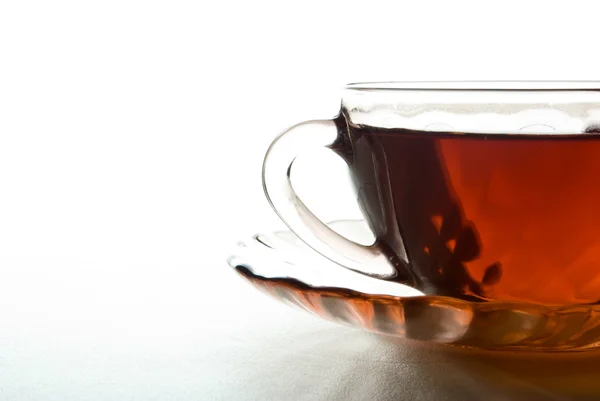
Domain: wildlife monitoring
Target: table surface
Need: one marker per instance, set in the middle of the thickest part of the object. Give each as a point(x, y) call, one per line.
point(182, 338)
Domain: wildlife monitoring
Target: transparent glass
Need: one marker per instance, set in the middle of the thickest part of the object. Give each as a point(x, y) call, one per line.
point(482, 192)
point(476, 107)
point(283, 267)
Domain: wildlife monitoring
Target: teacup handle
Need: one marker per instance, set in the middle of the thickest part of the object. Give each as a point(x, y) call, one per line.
point(368, 260)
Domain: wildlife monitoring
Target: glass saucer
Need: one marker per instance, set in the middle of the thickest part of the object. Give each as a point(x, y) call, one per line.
point(282, 266)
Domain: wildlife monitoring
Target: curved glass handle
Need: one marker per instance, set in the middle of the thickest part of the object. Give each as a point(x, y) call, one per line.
point(368, 260)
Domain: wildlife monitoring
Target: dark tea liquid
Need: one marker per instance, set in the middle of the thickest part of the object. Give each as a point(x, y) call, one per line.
point(513, 217)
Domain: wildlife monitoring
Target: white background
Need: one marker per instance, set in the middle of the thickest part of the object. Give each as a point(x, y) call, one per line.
point(131, 141)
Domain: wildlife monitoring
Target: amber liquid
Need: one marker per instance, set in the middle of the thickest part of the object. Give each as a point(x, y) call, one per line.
point(512, 217)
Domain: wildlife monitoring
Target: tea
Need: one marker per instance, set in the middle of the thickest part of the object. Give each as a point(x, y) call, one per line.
point(484, 216)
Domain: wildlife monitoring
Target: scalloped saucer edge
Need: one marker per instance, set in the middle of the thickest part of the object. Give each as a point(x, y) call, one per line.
point(283, 267)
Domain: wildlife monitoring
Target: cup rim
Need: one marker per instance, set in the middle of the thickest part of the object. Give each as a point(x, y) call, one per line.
point(483, 85)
